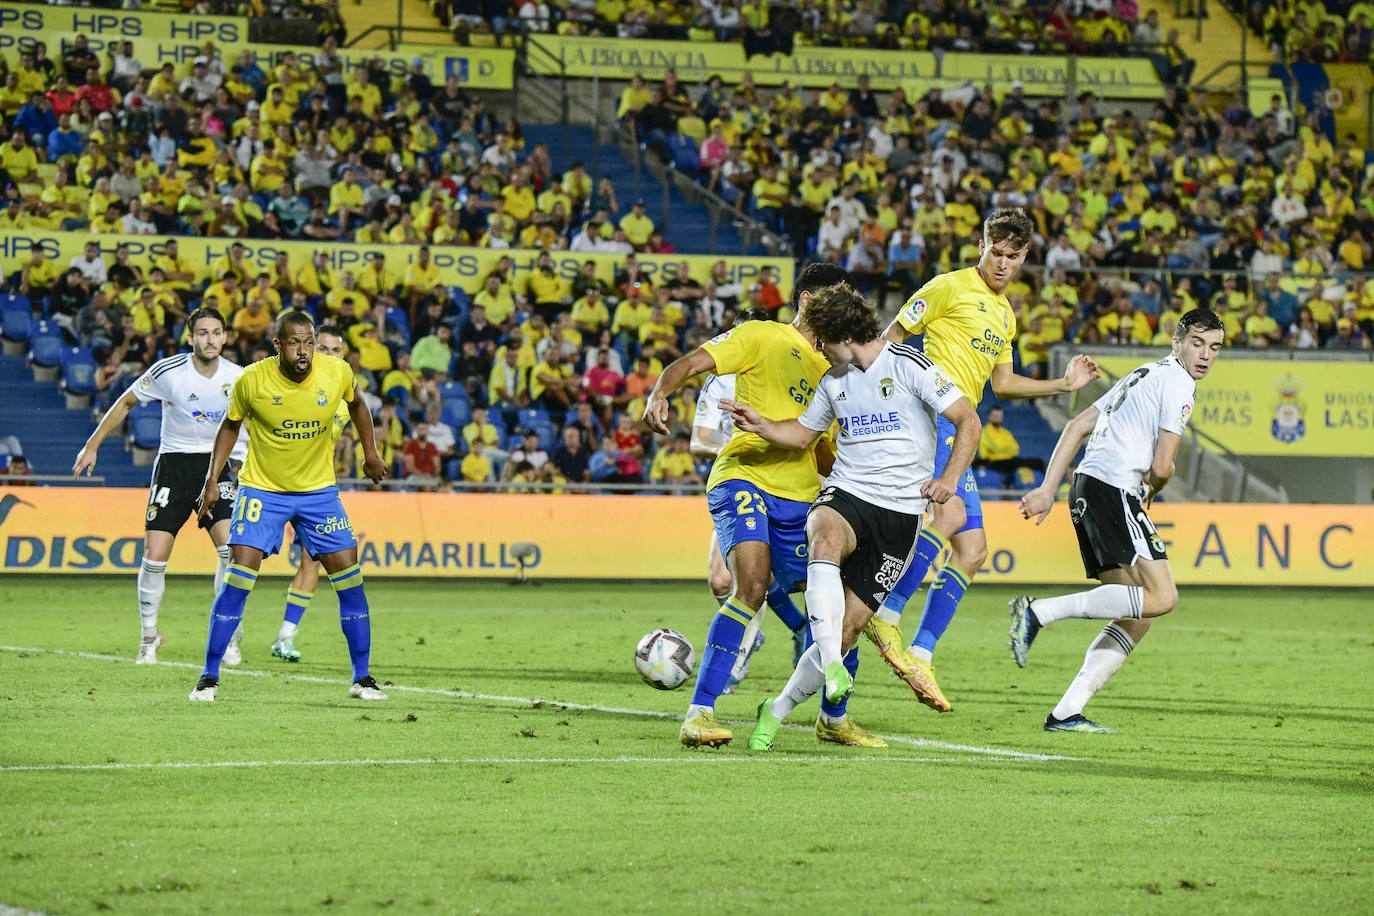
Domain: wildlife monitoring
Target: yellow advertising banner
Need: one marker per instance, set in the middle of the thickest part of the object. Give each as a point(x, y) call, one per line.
point(478, 68)
point(915, 71)
point(37, 22)
point(1282, 407)
point(695, 61)
point(82, 530)
point(462, 267)
point(1348, 99)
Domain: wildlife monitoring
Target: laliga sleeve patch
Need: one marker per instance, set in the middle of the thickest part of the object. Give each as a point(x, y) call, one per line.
point(914, 310)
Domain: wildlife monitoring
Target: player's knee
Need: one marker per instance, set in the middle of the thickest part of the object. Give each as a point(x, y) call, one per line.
point(719, 582)
point(1161, 599)
point(969, 556)
point(950, 518)
point(751, 591)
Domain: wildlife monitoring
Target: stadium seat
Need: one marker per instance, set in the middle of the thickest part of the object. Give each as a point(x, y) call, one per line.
point(78, 377)
point(456, 413)
point(145, 432)
point(399, 393)
point(396, 317)
point(16, 325)
point(45, 351)
point(452, 391)
point(533, 416)
point(988, 479)
point(685, 158)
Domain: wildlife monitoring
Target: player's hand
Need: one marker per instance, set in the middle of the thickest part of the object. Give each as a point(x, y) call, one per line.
point(209, 495)
point(1082, 370)
point(939, 490)
point(85, 461)
point(745, 417)
point(1037, 503)
point(656, 413)
point(375, 469)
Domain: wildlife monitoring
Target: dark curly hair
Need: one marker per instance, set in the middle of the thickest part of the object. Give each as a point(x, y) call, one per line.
point(1008, 224)
point(817, 276)
point(838, 313)
point(206, 311)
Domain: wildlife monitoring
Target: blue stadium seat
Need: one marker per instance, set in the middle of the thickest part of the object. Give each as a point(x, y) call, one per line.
point(15, 301)
point(548, 438)
point(78, 371)
point(534, 416)
point(145, 425)
point(452, 391)
point(397, 318)
point(514, 441)
point(45, 350)
point(456, 413)
point(685, 157)
point(988, 479)
point(16, 326)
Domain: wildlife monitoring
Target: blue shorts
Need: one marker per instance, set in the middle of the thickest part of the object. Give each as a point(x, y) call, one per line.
point(742, 512)
point(968, 488)
point(321, 524)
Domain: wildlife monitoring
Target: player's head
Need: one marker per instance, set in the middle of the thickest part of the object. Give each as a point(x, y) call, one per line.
point(329, 340)
point(206, 332)
point(1198, 340)
point(839, 318)
point(751, 314)
point(1007, 234)
point(814, 277)
point(295, 340)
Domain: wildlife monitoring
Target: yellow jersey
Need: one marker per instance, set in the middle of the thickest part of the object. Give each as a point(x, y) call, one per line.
point(776, 372)
point(968, 328)
point(290, 438)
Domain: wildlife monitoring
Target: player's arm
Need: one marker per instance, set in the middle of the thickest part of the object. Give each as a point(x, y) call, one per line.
point(1082, 369)
point(1162, 464)
point(1038, 502)
point(225, 440)
point(373, 465)
point(968, 429)
point(656, 407)
point(786, 433)
point(113, 419)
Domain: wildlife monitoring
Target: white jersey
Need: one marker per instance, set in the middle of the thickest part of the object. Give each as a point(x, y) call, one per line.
point(885, 449)
point(709, 415)
point(1156, 396)
point(192, 405)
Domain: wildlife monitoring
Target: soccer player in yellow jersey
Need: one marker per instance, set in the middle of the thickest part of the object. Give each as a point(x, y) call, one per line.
point(758, 494)
point(968, 326)
point(329, 341)
point(289, 402)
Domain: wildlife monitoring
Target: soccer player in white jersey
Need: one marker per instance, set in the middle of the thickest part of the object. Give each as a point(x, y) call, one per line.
point(1133, 433)
point(863, 525)
point(194, 390)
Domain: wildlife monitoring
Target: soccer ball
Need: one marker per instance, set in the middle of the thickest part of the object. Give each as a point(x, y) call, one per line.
point(665, 659)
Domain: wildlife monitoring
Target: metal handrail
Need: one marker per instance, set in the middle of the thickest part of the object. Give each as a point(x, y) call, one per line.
point(24, 480)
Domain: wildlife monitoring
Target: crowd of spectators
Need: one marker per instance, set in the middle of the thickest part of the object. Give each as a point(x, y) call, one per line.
point(1306, 31)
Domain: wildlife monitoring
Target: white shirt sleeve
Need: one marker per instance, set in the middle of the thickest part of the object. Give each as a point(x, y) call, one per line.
point(820, 413)
point(936, 388)
point(1176, 405)
point(708, 415)
point(147, 388)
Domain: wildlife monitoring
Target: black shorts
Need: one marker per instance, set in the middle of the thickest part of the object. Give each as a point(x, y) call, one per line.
point(177, 482)
point(1113, 529)
point(884, 539)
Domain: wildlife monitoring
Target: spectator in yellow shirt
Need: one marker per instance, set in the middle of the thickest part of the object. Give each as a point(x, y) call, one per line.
point(476, 467)
point(637, 226)
point(1261, 330)
point(316, 279)
point(519, 198)
point(589, 313)
point(998, 449)
point(346, 199)
point(498, 303)
point(421, 279)
point(262, 290)
point(251, 324)
point(674, 464)
point(18, 158)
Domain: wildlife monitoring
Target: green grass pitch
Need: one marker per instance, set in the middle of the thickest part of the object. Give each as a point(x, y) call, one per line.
point(529, 770)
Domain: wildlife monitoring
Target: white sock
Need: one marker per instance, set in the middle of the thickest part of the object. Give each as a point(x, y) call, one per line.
point(825, 608)
point(921, 653)
point(805, 683)
point(887, 614)
point(287, 630)
point(222, 566)
point(238, 635)
point(1105, 657)
point(1106, 602)
point(720, 599)
point(746, 643)
point(696, 709)
point(152, 582)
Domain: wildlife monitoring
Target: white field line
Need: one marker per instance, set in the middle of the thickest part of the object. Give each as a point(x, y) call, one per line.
point(561, 704)
point(471, 761)
point(7, 910)
point(1260, 634)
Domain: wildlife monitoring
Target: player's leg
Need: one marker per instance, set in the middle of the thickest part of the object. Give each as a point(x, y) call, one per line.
point(830, 539)
point(741, 520)
point(217, 526)
point(808, 679)
point(326, 533)
point(1109, 650)
point(152, 583)
point(718, 579)
point(255, 532)
point(298, 597)
point(1113, 531)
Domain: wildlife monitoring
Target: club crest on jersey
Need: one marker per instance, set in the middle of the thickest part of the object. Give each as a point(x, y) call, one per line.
point(226, 388)
point(321, 398)
point(885, 388)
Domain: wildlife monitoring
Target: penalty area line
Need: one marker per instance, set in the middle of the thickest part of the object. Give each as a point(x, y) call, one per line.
point(983, 751)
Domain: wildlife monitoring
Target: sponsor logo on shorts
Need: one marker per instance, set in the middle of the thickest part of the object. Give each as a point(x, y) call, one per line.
point(1078, 510)
point(890, 572)
point(335, 524)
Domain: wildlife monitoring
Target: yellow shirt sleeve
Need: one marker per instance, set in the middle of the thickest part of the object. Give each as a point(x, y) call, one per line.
point(737, 349)
point(927, 304)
